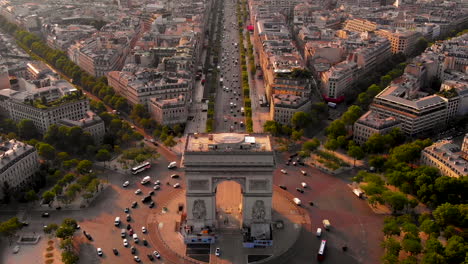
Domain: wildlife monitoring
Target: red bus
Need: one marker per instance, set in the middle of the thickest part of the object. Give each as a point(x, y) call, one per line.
point(321, 252)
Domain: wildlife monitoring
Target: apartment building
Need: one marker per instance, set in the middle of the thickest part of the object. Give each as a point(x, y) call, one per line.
point(44, 106)
point(168, 111)
point(91, 123)
point(401, 41)
point(359, 25)
point(4, 78)
point(370, 57)
point(445, 156)
point(18, 164)
point(284, 106)
point(371, 123)
point(415, 112)
point(337, 80)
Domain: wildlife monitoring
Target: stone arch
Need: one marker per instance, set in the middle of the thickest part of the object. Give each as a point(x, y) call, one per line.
point(215, 181)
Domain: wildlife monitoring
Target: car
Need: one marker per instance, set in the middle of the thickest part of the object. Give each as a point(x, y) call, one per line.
point(138, 191)
point(311, 203)
point(130, 232)
point(151, 205)
point(136, 258)
point(125, 184)
point(218, 252)
point(145, 243)
point(300, 190)
point(135, 238)
point(45, 215)
point(129, 227)
point(89, 237)
point(175, 176)
point(319, 232)
point(303, 172)
point(294, 163)
point(129, 218)
point(177, 185)
point(16, 249)
point(99, 251)
point(283, 187)
point(126, 210)
point(133, 250)
point(116, 252)
point(284, 171)
point(150, 257)
point(301, 163)
point(125, 242)
point(157, 182)
point(156, 187)
point(287, 163)
point(156, 254)
point(77, 227)
point(304, 185)
point(143, 229)
point(134, 204)
point(151, 193)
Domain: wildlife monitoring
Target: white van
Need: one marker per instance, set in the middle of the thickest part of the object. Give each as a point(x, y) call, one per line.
point(172, 165)
point(297, 201)
point(319, 232)
point(145, 180)
point(117, 221)
point(135, 238)
point(123, 232)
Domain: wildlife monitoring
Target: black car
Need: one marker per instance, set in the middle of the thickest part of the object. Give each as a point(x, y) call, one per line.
point(283, 187)
point(133, 250)
point(146, 199)
point(301, 163)
point(129, 227)
point(134, 204)
point(145, 242)
point(45, 215)
point(151, 193)
point(129, 218)
point(127, 210)
point(89, 237)
point(116, 252)
point(150, 257)
point(300, 190)
point(293, 155)
point(151, 205)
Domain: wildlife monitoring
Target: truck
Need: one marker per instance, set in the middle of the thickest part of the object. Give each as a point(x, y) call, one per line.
point(358, 193)
point(145, 180)
point(326, 224)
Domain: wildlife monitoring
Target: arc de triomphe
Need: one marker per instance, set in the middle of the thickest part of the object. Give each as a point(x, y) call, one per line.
point(213, 158)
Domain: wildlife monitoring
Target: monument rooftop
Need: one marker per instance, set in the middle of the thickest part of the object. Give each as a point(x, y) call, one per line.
point(228, 142)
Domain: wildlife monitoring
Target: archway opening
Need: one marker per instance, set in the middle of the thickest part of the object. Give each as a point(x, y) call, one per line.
point(229, 205)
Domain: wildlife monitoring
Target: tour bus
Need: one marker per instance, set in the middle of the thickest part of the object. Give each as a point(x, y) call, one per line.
point(321, 252)
point(141, 167)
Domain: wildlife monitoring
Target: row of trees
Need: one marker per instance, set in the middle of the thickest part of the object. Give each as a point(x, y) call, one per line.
point(65, 232)
point(406, 233)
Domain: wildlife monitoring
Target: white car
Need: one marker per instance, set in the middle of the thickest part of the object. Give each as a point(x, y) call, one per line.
point(156, 187)
point(99, 251)
point(136, 258)
point(125, 184)
point(284, 171)
point(138, 191)
point(125, 243)
point(143, 229)
point(218, 252)
point(156, 254)
point(304, 185)
point(303, 172)
point(177, 185)
point(157, 182)
point(319, 232)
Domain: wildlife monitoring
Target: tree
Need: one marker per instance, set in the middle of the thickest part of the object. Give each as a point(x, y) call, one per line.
point(411, 245)
point(351, 115)
point(138, 112)
point(48, 196)
point(409, 260)
point(331, 144)
point(69, 257)
point(391, 227)
point(66, 244)
point(9, 227)
point(377, 162)
point(391, 246)
point(70, 222)
point(84, 166)
point(447, 214)
point(63, 156)
point(429, 227)
point(456, 249)
point(396, 200)
point(406, 153)
point(46, 151)
point(103, 155)
point(433, 245)
point(300, 119)
point(356, 153)
point(26, 129)
point(389, 258)
point(50, 228)
point(311, 145)
point(31, 195)
point(336, 129)
point(433, 258)
point(64, 232)
point(297, 135)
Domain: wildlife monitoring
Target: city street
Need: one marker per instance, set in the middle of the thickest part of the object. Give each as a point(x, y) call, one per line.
point(229, 99)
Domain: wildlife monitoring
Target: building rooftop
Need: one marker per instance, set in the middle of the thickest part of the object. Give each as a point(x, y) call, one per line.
point(10, 150)
point(90, 120)
point(373, 120)
point(449, 154)
point(228, 142)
